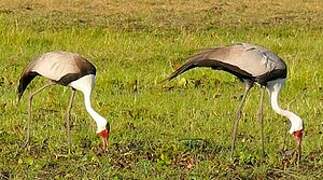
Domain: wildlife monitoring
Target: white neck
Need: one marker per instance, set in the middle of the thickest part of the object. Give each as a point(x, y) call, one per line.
point(101, 122)
point(274, 88)
point(85, 85)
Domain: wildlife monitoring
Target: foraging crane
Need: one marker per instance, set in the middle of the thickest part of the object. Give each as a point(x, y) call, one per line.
point(251, 64)
point(67, 69)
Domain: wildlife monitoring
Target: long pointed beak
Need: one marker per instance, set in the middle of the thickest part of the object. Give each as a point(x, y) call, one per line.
point(299, 151)
point(104, 137)
point(104, 143)
point(298, 135)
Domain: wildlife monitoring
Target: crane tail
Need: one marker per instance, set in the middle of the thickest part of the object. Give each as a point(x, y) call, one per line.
point(25, 79)
point(179, 71)
point(194, 61)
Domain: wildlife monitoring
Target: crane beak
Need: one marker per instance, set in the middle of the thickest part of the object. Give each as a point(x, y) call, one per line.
point(298, 135)
point(104, 135)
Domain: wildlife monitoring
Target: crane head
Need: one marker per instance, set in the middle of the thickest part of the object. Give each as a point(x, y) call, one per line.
point(298, 135)
point(297, 130)
point(104, 135)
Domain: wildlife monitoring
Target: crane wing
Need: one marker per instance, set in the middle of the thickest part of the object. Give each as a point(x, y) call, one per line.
point(253, 59)
point(55, 65)
point(244, 60)
point(61, 67)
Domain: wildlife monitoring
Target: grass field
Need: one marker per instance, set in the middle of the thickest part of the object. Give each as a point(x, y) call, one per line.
point(176, 130)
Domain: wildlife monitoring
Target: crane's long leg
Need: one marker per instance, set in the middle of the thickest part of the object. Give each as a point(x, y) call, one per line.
point(29, 111)
point(238, 116)
point(67, 120)
point(260, 116)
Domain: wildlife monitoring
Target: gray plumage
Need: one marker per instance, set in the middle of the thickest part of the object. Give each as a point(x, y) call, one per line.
point(60, 67)
point(251, 64)
point(246, 61)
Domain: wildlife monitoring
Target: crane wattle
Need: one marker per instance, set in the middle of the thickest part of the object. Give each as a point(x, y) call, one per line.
point(104, 134)
point(298, 135)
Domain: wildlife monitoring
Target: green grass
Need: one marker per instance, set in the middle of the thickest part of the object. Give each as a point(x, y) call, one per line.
point(175, 130)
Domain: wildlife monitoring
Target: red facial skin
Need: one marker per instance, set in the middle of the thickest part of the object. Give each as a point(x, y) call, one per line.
point(104, 134)
point(298, 135)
